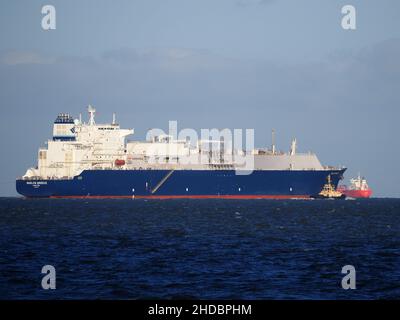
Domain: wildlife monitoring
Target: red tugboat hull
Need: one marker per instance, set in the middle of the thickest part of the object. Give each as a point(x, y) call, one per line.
point(358, 193)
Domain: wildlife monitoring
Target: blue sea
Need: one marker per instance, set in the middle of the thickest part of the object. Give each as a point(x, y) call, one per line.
point(199, 249)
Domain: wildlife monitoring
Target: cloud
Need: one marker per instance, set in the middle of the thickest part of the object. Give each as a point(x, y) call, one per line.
point(174, 59)
point(336, 83)
point(152, 55)
point(24, 57)
point(380, 57)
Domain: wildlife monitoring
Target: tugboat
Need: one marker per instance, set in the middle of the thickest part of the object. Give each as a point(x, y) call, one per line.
point(329, 192)
point(358, 188)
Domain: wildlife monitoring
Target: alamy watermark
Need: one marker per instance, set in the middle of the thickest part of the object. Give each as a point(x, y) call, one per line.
point(49, 20)
point(49, 280)
point(213, 147)
point(349, 280)
point(349, 19)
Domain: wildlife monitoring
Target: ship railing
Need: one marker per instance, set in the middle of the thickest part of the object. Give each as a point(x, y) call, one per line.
point(334, 168)
point(45, 178)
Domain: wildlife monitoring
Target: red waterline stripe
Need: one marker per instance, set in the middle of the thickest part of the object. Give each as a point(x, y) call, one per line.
point(189, 197)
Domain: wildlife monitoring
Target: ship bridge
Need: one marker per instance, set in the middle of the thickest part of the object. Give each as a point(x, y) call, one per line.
point(76, 146)
point(63, 128)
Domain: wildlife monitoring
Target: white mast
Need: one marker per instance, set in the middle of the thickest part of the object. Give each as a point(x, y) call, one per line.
point(273, 141)
point(293, 147)
point(91, 111)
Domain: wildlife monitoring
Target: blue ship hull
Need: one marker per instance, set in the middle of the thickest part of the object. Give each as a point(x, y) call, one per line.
point(183, 184)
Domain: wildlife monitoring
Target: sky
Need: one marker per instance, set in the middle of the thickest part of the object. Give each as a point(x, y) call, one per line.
point(286, 65)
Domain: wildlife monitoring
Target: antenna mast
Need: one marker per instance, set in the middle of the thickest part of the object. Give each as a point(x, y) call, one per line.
point(293, 147)
point(273, 141)
point(91, 111)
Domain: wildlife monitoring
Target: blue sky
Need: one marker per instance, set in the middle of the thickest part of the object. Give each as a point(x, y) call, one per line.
point(258, 64)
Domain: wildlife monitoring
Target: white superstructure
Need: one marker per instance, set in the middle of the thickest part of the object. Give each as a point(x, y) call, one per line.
point(359, 183)
point(78, 146)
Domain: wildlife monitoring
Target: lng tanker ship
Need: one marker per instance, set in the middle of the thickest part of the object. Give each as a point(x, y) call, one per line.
point(90, 160)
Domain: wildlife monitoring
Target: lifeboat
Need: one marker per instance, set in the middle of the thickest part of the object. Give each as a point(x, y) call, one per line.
point(119, 162)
